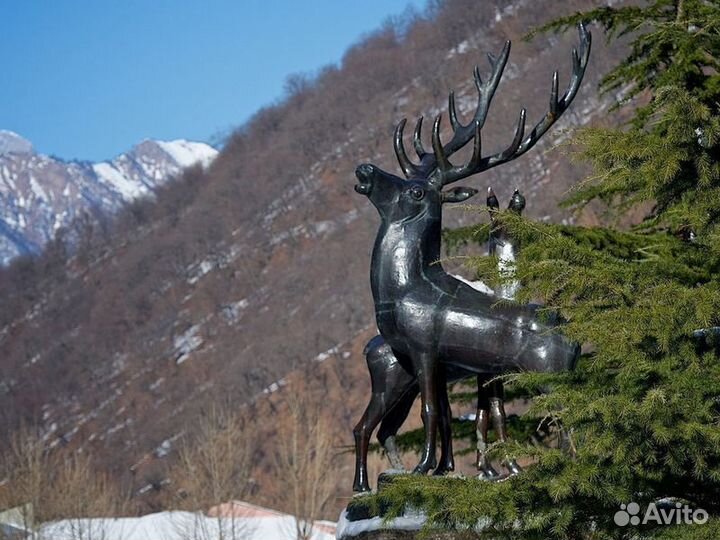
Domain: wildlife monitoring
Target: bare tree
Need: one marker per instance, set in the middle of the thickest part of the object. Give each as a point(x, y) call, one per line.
point(23, 470)
point(84, 499)
point(214, 468)
point(45, 486)
point(304, 460)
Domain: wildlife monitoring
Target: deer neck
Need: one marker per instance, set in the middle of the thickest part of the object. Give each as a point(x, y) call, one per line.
point(405, 256)
point(506, 249)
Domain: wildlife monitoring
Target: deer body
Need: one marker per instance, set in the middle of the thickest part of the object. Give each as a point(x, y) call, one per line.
point(430, 317)
point(420, 307)
point(491, 392)
point(395, 387)
point(425, 314)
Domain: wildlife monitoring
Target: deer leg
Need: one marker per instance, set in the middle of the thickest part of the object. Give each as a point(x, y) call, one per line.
point(376, 410)
point(391, 425)
point(497, 412)
point(482, 419)
point(390, 382)
point(426, 368)
point(364, 428)
point(447, 460)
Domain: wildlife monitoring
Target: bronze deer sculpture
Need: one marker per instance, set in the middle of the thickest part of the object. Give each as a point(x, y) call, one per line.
point(425, 314)
point(394, 387)
point(491, 393)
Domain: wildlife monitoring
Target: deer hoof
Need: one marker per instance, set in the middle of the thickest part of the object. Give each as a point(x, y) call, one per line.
point(361, 488)
point(486, 472)
point(424, 466)
point(444, 469)
point(512, 467)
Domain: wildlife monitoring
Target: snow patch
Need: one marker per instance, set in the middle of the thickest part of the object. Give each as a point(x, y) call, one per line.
point(460, 48)
point(186, 343)
point(165, 447)
point(197, 271)
point(274, 387)
point(154, 386)
point(128, 189)
point(12, 143)
point(249, 522)
point(327, 354)
point(232, 312)
point(38, 190)
point(187, 153)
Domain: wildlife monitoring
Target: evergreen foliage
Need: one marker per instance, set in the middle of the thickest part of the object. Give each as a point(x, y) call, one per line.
point(641, 410)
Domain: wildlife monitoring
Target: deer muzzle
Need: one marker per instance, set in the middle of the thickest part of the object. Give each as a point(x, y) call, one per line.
point(364, 174)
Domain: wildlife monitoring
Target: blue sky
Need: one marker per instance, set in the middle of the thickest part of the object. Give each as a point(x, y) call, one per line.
point(88, 79)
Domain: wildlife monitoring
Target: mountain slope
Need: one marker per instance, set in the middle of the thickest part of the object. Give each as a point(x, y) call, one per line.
point(40, 195)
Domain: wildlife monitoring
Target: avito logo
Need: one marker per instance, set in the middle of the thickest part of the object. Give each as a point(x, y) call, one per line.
point(664, 514)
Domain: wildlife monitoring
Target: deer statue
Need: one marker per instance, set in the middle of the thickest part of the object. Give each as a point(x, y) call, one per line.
point(491, 394)
point(394, 387)
point(423, 313)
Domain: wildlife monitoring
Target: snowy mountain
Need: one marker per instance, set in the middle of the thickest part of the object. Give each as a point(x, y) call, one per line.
point(41, 194)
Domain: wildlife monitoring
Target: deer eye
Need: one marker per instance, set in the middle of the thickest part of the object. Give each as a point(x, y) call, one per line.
point(417, 193)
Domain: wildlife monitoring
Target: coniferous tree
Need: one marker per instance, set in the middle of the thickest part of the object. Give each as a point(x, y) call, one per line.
point(642, 409)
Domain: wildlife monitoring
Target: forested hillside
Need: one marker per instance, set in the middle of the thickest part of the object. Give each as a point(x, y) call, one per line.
point(236, 276)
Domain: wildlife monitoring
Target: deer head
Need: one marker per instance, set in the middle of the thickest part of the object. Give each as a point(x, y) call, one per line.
point(422, 192)
point(502, 245)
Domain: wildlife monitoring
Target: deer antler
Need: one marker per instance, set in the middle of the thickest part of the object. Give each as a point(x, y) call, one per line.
point(461, 133)
point(437, 166)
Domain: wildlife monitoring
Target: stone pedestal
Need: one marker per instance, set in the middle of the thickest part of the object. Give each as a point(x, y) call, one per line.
point(357, 522)
point(411, 535)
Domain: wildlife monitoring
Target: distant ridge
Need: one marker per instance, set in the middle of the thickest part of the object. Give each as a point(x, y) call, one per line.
point(11, 142)
point(39, 194)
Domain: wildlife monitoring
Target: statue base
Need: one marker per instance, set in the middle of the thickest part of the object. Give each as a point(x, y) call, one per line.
point(359, 522)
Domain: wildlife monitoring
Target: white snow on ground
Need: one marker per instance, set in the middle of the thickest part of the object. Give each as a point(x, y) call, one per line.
point(274, 387)
point(197, 270)
point(461, 48)
point(37, 189)
point(12, 142)
point(123, 185)
point(232, 312)
point(186, 343)
point(166, 446)
point(252, 523)
point(327, 354)
point(188, 153)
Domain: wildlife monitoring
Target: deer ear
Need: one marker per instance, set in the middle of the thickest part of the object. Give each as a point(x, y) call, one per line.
point(492, 200)
point(458, 194)
point(517, 202)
